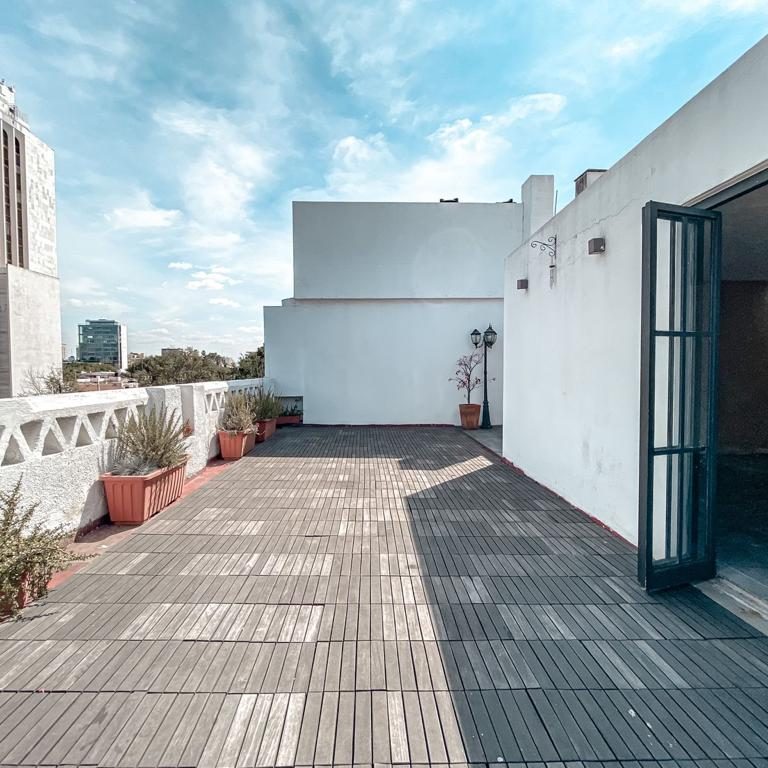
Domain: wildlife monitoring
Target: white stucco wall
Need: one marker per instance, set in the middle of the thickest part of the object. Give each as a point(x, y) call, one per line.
point(34, 322)
point(41, 205)
point(58, 445)
point(379, 362)
point(402, 250)
point(572, 378)
point(386, 295)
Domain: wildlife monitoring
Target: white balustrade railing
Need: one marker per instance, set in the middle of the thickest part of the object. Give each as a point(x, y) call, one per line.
point(58, 445)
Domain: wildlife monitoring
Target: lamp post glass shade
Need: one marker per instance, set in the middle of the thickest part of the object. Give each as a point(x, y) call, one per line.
point(489, 336)
point(476, 336)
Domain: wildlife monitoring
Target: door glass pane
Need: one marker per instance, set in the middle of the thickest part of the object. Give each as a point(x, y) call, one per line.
point(666, 399)
point(663, 274)
point(666, 506)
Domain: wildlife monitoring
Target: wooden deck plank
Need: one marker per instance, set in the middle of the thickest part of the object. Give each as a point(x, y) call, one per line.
point(365, 596)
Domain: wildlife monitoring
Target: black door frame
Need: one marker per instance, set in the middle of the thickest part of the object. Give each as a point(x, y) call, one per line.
point(680, 567)
point(711, 201)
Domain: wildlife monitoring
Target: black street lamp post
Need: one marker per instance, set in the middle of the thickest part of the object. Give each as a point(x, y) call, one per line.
point(487, 339)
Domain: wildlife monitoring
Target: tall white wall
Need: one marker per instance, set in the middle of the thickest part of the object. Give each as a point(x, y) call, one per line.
point(379, 362)
point(572, 352)
point(30, 314)
point(41, 206)
point(385, 297)
point(34, 323)
point(402, 250)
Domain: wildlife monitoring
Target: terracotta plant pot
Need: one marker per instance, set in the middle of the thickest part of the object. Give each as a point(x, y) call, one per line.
point(133, 499)
point(266, 429)
point(234, 445)
point(23, 598)
point(470, 415)
point(288, 421)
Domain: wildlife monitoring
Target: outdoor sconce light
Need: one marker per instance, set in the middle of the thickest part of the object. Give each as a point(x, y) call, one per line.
point(596, 245)
point(522, 285)
point(487, 339)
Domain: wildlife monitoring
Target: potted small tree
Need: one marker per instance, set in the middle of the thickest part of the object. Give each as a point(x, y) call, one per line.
point(265, 408)
point(29, 553)
point(466, 379)
point(237, 435)
point(148, 471)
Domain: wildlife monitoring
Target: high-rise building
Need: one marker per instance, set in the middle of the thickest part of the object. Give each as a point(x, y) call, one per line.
point(103, 341)
point(30, 316)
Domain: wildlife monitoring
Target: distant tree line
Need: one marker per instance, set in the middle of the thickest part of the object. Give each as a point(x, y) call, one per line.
point(189, 365)
point(185, 366)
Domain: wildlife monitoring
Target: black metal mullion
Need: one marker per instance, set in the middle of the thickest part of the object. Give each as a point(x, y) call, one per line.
point(670, 390)
point(700, 441)
point(712, 436)
point(682, 386)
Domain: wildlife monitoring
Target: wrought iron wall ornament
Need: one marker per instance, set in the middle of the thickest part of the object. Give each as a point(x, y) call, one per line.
point(549, 247)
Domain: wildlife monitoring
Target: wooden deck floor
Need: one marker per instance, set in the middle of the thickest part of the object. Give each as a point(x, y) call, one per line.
point(393, 596)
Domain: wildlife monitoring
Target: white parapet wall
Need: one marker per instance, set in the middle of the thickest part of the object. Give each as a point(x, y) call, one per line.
point(59, 445)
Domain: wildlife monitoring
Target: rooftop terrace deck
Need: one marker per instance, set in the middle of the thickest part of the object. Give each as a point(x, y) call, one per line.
point(358, 596)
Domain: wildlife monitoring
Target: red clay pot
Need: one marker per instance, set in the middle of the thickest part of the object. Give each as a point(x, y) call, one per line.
point(234, 445)
point(288, 421)
point(470, 415)
point(266, 429)
point(133, 499)
point(23, 598)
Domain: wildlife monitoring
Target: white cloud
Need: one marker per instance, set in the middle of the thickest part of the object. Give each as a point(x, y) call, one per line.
point(183, 265)
point(141, 213)
point(472, 158)
point(227, 163)
point(224, 302)
point(59, 28)
point(214, 279)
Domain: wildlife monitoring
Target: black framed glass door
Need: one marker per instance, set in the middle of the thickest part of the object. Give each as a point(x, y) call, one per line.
point(678, 418)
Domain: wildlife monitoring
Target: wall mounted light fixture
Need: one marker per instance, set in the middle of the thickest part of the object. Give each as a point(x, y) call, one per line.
point(596, 245)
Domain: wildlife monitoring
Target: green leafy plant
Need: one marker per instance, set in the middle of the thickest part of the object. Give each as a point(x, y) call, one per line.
point(153, 440)
point(265, 404)
point(292, 410)
point(29, 553)
point(237, 416)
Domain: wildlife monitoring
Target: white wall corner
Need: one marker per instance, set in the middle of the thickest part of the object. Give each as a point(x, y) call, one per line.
point(538, 197)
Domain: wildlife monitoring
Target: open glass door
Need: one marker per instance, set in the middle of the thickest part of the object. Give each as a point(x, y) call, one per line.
point(678, 439)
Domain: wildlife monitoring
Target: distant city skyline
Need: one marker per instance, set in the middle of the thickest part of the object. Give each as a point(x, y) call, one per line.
point(182, 131)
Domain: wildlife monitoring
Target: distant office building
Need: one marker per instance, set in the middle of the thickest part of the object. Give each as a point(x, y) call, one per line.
point(166, 351)
point(30, 316)
point(135, 357)
point(103, 341)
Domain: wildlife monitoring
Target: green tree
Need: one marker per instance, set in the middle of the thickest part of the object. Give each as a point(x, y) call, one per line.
point(184, 367)
point(251, 365)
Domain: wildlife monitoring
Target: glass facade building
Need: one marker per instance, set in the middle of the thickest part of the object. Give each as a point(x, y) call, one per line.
point(102, 341)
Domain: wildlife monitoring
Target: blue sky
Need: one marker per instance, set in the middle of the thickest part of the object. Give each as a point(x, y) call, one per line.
point(184, 128)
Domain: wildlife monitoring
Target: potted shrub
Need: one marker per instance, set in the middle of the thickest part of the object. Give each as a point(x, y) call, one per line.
point(29, 553)
point(148, 472)
point(290, 416)
point(466, 379)
point(265, 408)
point(237, 435)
